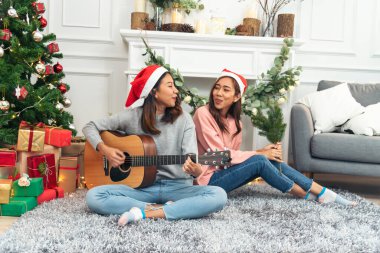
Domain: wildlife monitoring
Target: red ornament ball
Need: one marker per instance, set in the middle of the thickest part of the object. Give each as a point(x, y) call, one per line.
point(58, 68)
point(43, 22)
point(62, 87)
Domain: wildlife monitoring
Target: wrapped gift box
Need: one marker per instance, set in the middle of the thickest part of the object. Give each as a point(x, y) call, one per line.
point(5, 34)
point(76, 149)
point(57, 137)
point(33, 190)
point(53, 47)
point(18, 206)
point(50, 194)
point(43, 166)
point(60, 192)
point(31, 139)
point(39, 8)
point(7, 158)
point(68, 174)
point(5, 190)
point(22, 165)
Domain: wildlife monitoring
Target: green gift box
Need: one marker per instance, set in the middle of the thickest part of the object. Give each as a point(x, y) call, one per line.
point(18, 206)
point(33, 190)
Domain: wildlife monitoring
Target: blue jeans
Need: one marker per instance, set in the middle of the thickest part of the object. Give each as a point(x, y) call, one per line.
point(189, 201)
point(259, 166)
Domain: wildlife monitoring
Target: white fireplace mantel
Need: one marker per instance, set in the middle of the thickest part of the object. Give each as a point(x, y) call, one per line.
point(204, 55)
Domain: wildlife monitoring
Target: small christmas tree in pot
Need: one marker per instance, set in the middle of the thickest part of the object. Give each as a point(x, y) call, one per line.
point(261, 102)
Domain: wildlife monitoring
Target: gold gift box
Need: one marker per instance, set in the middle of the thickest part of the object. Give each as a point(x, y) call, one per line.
point(5, 190)
point(38, 139)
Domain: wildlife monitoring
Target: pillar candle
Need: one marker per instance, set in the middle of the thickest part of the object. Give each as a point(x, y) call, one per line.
point(251, 12)
point(140, 5)
point(176, 16)
point(200, 26)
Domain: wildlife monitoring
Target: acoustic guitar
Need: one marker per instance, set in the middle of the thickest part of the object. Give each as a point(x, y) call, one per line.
point(139, 169)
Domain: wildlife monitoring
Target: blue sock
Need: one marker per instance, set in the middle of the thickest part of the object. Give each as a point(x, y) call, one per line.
point(133, 215)
point(327, 196)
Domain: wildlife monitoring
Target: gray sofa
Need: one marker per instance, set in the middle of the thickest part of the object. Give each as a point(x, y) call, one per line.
point(340, 153)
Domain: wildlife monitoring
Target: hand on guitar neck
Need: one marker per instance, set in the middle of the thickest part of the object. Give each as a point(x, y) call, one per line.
point(192, 168)
point(114, 156)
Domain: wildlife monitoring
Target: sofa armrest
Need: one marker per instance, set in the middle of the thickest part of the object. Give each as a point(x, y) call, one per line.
point(302, 130)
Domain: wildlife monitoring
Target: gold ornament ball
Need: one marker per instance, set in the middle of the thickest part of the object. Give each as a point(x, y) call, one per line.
point(59, 106)
point(37, 36)
point(12, 12)
point(4, 105)
point(66, 102)
point(40, 68)
point(72, 126)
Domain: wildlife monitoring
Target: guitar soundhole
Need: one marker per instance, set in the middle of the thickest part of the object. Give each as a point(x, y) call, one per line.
point(122, 172)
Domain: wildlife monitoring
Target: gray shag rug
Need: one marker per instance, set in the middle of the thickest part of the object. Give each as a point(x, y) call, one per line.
point(256, 219)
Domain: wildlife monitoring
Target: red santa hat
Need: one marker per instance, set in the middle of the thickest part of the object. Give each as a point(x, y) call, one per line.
point(238, 78)
point(143, 84)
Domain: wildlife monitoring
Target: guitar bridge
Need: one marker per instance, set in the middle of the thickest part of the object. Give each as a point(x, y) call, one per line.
point(105, 166)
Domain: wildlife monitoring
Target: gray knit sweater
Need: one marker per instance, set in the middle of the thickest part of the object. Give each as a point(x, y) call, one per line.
point(175, 139)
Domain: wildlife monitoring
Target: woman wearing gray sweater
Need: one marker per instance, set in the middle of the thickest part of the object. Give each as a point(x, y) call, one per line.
point(153, 108)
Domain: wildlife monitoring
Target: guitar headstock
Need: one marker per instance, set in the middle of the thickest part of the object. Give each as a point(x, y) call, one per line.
point(215, 158)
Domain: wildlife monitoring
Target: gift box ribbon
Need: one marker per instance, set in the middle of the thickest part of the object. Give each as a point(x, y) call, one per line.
point(24, 124)
point(46, 172)
point(51, 130)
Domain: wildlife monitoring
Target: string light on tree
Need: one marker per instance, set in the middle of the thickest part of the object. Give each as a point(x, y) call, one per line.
point(1, 50)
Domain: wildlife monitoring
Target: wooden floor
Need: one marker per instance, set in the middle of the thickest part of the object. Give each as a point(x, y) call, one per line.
point(366, 187)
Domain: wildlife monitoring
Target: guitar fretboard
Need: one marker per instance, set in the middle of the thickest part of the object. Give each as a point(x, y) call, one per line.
point(137, 161)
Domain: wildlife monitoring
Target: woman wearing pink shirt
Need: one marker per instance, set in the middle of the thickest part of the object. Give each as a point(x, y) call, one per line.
point(218, 126)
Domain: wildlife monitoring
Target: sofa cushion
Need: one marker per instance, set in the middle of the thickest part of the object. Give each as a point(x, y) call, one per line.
point(367, 123)
point(331, 107)
point(365, 94)
point(346, 147)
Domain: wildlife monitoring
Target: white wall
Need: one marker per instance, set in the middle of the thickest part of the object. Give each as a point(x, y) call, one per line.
point(342, 42)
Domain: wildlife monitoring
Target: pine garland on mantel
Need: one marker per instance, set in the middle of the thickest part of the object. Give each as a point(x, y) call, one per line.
point(270, 90)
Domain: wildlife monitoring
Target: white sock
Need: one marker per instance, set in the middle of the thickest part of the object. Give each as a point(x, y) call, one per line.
point(310, 196)
point(327, 196)
point(133, 215)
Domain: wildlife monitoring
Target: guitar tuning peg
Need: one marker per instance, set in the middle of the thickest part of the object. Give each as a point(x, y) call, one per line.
point(225, 167)
point(208, 150)
point(216, 167)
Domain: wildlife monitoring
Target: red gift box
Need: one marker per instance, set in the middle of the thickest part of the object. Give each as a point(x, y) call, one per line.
point(53, 47)
point(7, 158)
point(39, 8)
point(57, 137)
point(59, 192)
point(50, 194)
point(43, 166)
point(5, 34)
point(49, 70)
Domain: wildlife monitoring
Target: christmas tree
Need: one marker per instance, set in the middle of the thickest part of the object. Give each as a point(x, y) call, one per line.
point(31, 89)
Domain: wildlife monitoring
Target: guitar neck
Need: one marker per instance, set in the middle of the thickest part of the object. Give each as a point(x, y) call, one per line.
point(137, 161)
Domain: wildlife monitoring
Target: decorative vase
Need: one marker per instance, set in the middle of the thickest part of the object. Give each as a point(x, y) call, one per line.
point(268, 25)
point(158, 17)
